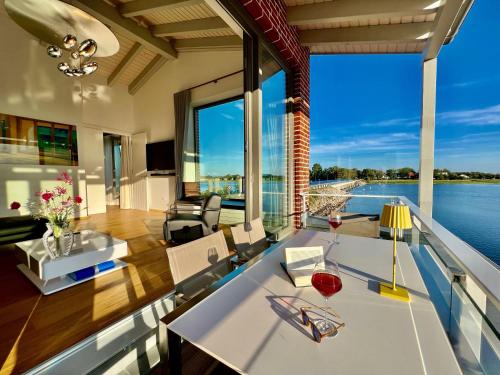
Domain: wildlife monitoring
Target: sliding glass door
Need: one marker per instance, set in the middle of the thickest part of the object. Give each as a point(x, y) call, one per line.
point(275, 205)
point(220, 142)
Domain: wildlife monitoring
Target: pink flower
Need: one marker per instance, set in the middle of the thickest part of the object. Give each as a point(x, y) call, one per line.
point(15, 205)
point(61, 190)
point(78, 199)
point(47, 196)
point(65, 177)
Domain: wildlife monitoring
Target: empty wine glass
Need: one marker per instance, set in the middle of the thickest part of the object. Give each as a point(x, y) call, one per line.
point(326, 280)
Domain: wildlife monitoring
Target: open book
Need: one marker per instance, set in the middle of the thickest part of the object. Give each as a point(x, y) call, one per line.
point(300, 262)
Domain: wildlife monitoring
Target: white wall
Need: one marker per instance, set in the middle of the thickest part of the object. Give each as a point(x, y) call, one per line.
point(161, 192)
point(93, 160)
point(154, 103)
point(31, 86)
point(107, 108)
point(139, 172)
point(20, 183)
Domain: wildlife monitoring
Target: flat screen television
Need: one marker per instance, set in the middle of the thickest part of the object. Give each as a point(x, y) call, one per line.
point(160, 156)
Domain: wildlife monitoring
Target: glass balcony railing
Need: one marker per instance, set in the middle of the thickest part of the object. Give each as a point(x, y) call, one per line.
point(463, 284)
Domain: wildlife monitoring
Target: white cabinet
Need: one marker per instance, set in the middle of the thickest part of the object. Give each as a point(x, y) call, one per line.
point(161, 192)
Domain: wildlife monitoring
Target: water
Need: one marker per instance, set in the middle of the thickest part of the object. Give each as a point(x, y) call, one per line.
point(470, 211)
point(221, 185)
point(272, 193)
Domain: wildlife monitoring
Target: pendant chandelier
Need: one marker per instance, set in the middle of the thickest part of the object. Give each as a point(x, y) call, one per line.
point(69, 32)
point(79, 64)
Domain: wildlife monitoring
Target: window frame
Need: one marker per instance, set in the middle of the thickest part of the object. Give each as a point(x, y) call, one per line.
point(196, 127)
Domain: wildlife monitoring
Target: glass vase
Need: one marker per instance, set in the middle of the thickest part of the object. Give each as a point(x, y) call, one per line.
point(58, 241)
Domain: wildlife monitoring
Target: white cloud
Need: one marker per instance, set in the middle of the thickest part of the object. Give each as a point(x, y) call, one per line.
point(477, 82)
point(483, 138)
point(229, 117)
point(400, 122)
point(370, 143)
point(461, 84)
point(473, 117)
point(466, 83)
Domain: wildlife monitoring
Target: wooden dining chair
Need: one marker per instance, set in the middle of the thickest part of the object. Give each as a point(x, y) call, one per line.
point(189, 262)
point(249, 238)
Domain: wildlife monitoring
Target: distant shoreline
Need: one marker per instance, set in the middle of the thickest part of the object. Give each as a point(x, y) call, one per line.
point(436, 182)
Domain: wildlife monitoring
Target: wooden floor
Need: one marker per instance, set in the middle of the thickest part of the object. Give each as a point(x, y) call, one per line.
point(34, 328)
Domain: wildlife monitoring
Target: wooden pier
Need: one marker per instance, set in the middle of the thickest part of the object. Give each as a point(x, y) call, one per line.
point(331, 202)
point(345, 185)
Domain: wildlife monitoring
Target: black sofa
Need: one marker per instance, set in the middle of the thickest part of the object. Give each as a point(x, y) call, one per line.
point(20, 228)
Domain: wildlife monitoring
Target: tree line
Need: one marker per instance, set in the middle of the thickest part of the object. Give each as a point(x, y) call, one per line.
point(317, 172)
point(445, 174)
point(227, 177)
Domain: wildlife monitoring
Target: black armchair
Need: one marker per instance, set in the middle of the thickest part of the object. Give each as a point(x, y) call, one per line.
point(181, 216)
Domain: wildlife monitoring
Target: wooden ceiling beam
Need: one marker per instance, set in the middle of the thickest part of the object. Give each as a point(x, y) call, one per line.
point(122, 66)
point(410, 32)
point(140, 7)
point(355, 10)
point(178, 28)
point(447, 21)
point(110, 16)
point(146, 74)
point(213, 43)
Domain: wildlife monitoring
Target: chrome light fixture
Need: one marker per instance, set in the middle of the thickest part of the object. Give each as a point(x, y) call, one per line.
point(80, 53)
point(61, 26)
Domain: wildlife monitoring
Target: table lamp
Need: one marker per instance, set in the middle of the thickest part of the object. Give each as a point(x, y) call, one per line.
point(395, 216)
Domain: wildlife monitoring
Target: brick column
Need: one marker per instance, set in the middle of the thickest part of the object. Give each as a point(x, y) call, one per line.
point(301, 133)
point(270, 15)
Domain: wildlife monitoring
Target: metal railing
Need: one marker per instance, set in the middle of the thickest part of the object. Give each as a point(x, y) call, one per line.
point(463, 284)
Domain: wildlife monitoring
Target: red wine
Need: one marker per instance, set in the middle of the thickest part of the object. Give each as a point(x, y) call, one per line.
point(335, 224)
point(326, 283)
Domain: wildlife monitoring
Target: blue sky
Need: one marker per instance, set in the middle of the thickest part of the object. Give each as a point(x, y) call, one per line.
point(221, 132)
point(365, 109)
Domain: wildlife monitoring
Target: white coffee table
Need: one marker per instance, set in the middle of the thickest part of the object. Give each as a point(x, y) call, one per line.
point(89, 249)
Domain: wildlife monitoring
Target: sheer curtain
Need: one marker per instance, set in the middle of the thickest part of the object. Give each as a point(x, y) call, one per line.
point(126, 182)
point(274, 146)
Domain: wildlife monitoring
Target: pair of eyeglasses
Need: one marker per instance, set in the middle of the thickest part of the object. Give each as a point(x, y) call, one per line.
point(316, 332)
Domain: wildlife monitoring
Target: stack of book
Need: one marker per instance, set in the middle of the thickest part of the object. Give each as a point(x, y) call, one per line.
point(300, 262)
point(88, 272)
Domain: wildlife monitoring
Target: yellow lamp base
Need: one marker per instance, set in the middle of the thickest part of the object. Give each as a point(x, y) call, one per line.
point(401, 294)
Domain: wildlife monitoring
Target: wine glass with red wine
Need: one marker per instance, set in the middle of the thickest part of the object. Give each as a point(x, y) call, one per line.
point(335, 221)
point(326, 280)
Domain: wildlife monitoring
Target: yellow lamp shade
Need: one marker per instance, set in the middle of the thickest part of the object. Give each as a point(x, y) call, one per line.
point(396, 216)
